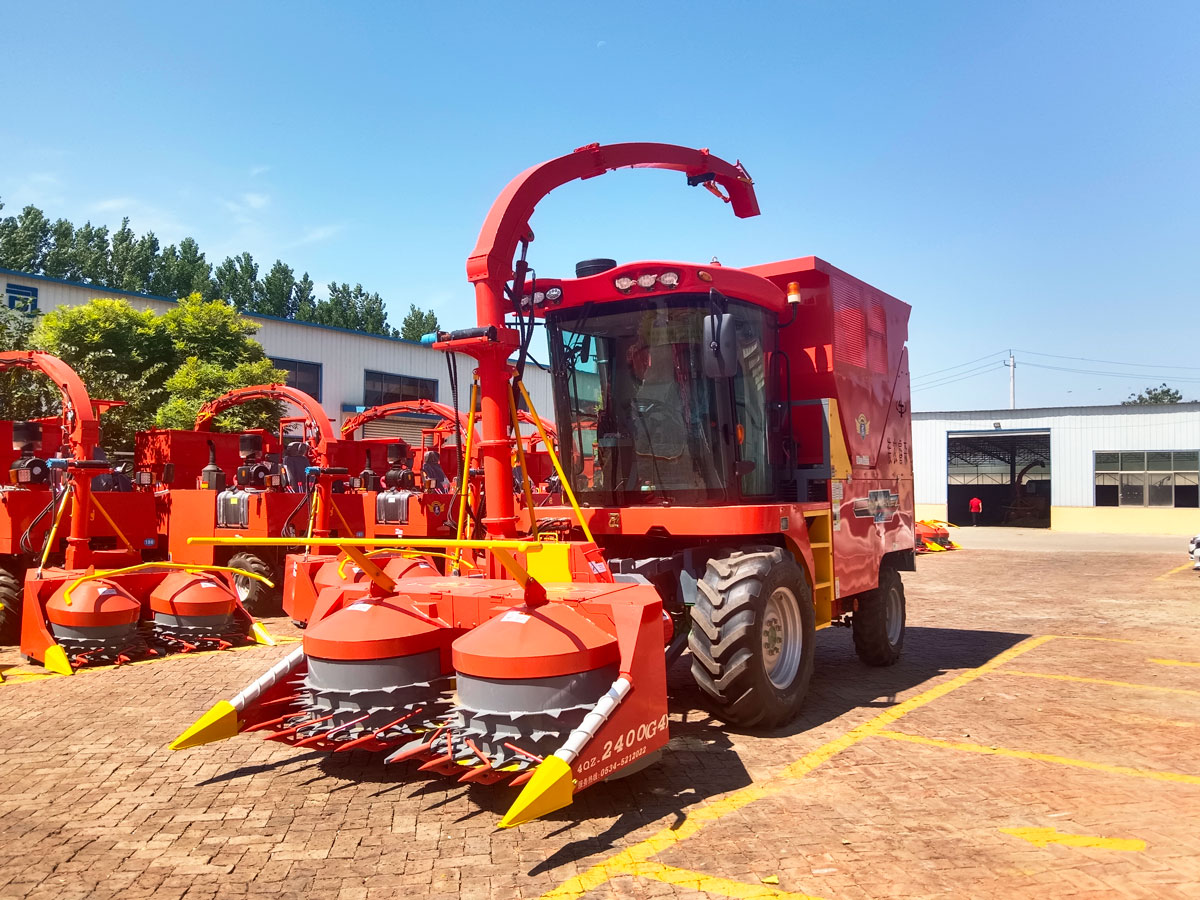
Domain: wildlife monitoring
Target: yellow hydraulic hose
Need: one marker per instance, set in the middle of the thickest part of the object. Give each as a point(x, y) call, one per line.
point(566, 484)
point(464, 480)
point(526, 483)
point(62, 505)
point(186, 567)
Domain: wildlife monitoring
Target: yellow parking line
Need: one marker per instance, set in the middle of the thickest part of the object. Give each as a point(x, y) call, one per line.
point(621, 863)
point(1176, 777)
point(1040, 837)
point(1125, 684)
point(1174, 662)
point(711, 884)
point(1174, 571)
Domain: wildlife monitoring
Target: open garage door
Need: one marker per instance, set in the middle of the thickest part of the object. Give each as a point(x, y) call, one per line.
point(1009, 471)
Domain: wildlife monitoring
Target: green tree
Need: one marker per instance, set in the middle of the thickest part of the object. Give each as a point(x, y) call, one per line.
point(183, 270)
point(60, 257)
point(236, 280)
point(305, 299)
point(25, 240)
point(212, 331)
point(195, 383)
point(23, 394)
point(1153, 396)
point(120, 353)
point(353, 308)
point(91, 253)
point(418, 323)
point(277, 293)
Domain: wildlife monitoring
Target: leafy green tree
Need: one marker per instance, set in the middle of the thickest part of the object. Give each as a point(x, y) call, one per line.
point(212, 331)
point(92, 254)
point(277, 293)
point(183, 270)
point(129, 263)
point(418, 323)
point(23, 394)
point(25, 240)
point(60, 258)
point(195, 383)
point(236, 281)
point(120, 353)
point(353, 308)
point(1154, 396)
point(305, 299)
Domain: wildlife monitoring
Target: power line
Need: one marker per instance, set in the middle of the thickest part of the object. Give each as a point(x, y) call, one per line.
point(1111, 362)
point(929, 375)
point(982, 371)
point(1127, 375)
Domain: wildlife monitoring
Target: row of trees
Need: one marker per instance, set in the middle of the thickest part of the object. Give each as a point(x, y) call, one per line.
point(164, 366)
point(30, 242)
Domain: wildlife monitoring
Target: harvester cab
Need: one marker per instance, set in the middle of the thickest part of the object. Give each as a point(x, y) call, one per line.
point(85, 572)
point(734, 475)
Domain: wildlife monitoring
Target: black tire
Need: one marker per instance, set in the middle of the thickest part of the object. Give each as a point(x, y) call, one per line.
point(878, 637)
point(740, 596)
point(11, 598)
point(260, 601)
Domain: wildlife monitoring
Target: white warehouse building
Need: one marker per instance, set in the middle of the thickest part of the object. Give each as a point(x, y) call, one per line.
point(1117, 469)
point(347, 371)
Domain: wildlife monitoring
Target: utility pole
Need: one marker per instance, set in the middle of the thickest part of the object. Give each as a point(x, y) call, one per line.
point(1011, 362)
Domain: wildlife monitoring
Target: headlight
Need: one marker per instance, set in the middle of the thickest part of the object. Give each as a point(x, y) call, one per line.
point(624, 284)
point(669, 279)
point(554, 294)
point(647, 281)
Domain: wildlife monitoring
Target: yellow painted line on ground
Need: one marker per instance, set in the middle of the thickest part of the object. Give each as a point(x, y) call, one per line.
point(39, 674)
point(1175, 777)
point(622, 862)
point(1092, 637)
point(711, 884)
point(1174, 571)
point(1124, 684)
point(1175, 662)
point(1041, 837)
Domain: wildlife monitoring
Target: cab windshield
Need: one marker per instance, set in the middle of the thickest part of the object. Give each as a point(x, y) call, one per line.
point(639, 420)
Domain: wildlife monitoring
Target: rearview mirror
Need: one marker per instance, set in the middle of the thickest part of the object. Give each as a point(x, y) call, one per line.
point(585, 348)
point(720, 346)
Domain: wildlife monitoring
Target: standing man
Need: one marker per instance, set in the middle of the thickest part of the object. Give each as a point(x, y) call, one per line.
point(976, 509)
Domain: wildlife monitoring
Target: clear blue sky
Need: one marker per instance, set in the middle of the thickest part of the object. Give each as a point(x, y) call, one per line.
point(1024, 174)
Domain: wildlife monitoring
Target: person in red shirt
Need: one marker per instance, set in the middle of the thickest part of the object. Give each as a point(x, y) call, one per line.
point(976, 509)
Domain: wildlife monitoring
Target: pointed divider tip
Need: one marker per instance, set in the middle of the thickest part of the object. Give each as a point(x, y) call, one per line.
point(218, 723)
point(260, 634)
point(55, 659)
point(551, 787)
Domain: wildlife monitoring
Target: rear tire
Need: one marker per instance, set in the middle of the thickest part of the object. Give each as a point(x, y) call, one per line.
point(260, 601)
point(879, 621)
point(753, 637)
point(11, 597)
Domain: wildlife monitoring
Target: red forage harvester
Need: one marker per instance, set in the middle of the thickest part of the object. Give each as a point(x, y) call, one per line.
point(735, 474)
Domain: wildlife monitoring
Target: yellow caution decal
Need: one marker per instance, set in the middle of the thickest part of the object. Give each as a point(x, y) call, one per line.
point(217, 724)
point(551, 787)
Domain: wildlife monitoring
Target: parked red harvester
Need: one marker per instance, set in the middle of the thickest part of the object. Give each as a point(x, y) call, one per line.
point(255, 483)
point(737, 471)
point(81, 537)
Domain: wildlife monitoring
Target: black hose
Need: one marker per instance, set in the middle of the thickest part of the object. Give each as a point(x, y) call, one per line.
point(26, 542)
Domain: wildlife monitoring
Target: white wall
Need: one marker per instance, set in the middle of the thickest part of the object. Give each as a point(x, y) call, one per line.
point(343, 355)
point(1075, 433)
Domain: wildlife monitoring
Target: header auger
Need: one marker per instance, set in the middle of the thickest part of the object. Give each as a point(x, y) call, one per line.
point(734, 460)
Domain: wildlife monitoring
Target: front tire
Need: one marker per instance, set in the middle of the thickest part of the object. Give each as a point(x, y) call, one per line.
point(258, 599)
point(11, 597)
point(879, 621)
point(753, 637)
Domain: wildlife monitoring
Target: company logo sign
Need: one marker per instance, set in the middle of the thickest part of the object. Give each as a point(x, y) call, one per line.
point(880, 506)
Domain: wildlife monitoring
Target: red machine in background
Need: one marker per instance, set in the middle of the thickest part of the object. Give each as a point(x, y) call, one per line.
point(418, 497)
point(83, 537)
point(735, 456)
point(254, 483)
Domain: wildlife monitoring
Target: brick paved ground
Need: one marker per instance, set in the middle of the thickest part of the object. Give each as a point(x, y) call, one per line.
point(842, 804)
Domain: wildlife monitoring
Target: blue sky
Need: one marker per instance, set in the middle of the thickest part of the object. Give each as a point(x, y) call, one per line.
point(1024, 174)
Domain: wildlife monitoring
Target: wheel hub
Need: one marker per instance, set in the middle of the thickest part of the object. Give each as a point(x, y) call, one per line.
point(782, 638)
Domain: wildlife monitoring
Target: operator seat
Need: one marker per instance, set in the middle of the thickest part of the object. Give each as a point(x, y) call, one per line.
point(295, 461)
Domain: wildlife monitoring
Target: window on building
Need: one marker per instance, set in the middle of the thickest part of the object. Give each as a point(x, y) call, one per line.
point(304, 376)
point(380, 388)
point(22, 298)
point(1157, 478)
